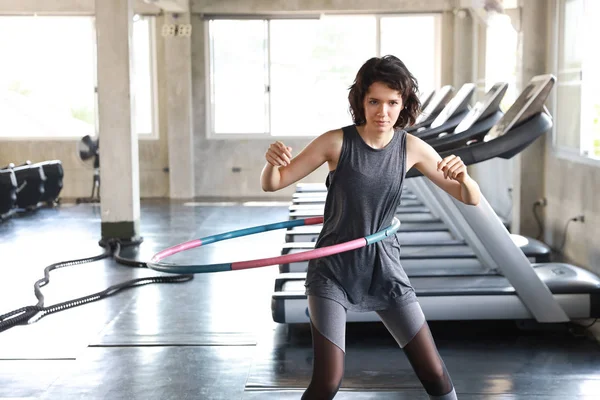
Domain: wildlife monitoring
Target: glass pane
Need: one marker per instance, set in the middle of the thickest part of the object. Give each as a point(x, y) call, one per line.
point(590, 133)
point(501, 57)
point(142, 76)
point(571, 45)
point(313, 63)
point(568, 91)
point(595, 124)
point(47, 76)
point(568, 115)
point(418, 53)
point(238, 74)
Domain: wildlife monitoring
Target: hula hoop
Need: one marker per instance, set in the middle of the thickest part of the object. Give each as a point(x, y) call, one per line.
point(157, 264)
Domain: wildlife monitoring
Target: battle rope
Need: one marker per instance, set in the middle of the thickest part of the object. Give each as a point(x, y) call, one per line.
point(31, 314)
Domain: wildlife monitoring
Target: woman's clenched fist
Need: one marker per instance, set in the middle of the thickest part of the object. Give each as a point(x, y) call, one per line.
point(278, 154)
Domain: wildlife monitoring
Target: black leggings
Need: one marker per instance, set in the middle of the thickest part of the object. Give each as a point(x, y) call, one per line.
point(328, 320)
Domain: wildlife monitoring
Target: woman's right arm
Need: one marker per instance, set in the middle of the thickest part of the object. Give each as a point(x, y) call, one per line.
point(281, 170)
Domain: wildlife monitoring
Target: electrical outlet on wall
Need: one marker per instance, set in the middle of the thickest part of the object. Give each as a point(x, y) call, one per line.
point(180, 30)
point(168, 30)
point(184, 30)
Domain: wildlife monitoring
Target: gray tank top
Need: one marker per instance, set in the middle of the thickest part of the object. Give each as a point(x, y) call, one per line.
point(363, 194)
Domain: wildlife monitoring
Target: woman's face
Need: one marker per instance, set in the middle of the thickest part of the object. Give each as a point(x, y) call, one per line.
point(382, 107)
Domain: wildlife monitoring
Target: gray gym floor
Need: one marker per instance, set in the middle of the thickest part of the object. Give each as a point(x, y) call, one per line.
point(214, 338)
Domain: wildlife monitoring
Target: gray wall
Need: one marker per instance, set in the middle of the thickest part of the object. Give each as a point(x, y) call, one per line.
point(571, 188)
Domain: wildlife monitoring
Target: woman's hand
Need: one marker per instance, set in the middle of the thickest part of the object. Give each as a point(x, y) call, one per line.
point(280, 172)
point(449, 173)
point(278, 154)
point(453, 168)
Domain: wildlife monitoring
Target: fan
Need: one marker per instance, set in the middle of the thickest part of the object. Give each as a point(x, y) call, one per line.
point(88, 152)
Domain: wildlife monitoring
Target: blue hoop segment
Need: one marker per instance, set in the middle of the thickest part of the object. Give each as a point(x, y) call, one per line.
point(157, 264)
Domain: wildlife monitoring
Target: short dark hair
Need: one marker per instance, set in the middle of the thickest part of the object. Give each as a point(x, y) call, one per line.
point(392, 72)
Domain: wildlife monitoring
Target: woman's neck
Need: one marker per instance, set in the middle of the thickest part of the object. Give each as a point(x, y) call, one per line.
point(373, 138)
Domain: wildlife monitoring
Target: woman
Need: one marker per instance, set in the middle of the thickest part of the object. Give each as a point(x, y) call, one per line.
point(367, 163)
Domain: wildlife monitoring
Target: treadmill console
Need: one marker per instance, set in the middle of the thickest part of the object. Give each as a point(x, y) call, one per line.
point(530, 102)
point(425, 98)
point(458, 103)
point(483, 108)
point(439, 100)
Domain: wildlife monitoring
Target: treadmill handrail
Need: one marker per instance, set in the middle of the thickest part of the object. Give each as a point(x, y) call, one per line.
point(434, 107)
point(459, 103)
point(464, 122)
point(504, 146)
point(474, 134)
point(491, 242)
point(490, 104)
point(448, 126)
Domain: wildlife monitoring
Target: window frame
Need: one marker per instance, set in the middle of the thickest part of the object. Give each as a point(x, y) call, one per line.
point(209, 109)
point(560, 151)
point(155, 134)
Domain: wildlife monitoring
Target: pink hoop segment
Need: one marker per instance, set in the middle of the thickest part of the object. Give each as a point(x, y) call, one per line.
point(303, 256)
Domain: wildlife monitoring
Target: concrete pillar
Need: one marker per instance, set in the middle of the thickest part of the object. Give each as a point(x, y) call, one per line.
point(464, 49)
point(480, 32)
point(178, 61)
point(528, 167)
point(447, 46)
point(480, 172)
point(119, 160)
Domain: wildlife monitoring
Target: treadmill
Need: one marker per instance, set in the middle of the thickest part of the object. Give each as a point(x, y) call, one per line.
point(407, 200)
point(416, 244)
point(414, 208)
point(433, 109)
point(425, 98)
point(548, 292)
point(452, 114)
point(302, 197)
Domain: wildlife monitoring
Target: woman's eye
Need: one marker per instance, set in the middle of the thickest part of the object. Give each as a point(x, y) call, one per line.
point(372, 101)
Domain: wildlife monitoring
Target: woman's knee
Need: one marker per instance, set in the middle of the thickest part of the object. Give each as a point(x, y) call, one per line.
point(433, 374)
point(436, 380)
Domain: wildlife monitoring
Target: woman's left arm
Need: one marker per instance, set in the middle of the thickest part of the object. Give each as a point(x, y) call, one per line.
point(450, 173)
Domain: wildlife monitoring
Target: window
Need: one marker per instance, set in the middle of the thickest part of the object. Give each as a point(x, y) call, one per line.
point(143, 79)
point(48, 77)
point(501, 56)
point(577, 105)
point(238, 70)
point(313, 62)
point(418, 54)
point(290, 77)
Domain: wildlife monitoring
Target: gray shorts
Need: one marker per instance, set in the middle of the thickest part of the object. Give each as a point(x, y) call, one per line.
point(329, 318)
